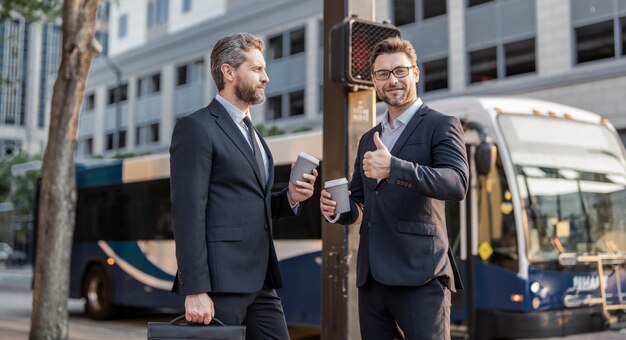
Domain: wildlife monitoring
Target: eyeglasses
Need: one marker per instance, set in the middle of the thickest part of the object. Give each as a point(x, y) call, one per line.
point(398, 72)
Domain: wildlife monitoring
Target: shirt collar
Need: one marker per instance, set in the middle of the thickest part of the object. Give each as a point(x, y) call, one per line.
point(234, 112)
point(405, 117)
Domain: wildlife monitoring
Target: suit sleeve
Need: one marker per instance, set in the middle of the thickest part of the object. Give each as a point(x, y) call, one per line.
point(447, 178)
point(190, 173)
point(281, 207)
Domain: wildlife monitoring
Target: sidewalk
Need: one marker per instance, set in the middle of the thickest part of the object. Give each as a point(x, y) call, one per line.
point(15, 312)
point(18, 329)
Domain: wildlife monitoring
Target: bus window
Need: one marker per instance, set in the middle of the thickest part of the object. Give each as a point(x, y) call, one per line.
point(308, 224)
point(135, 211)
point(496, 218)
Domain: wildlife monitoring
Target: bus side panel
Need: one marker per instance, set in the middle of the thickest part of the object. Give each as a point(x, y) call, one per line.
point(495, 285)
point(83, 253)
point(130, 292)
point(301, 292)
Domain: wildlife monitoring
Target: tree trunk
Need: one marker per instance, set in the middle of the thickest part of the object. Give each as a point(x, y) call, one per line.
point(57, 201)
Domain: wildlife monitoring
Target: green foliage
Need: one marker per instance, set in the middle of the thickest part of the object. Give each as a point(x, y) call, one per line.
point(302, 129)
point(31, 10)
point(267, 131)
point(19, 190)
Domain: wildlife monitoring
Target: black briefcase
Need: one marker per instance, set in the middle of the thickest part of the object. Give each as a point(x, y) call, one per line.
point(174, 331)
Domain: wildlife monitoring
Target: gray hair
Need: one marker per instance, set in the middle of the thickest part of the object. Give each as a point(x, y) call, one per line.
point(230, 50)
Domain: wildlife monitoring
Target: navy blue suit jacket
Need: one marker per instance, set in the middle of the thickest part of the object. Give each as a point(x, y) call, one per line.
point(221, 212)
point(403, 236)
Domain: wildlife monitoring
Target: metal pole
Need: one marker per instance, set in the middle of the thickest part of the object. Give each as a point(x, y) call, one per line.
point(347, 115)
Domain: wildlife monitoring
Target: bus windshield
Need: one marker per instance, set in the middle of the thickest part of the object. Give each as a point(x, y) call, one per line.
point(571, 177)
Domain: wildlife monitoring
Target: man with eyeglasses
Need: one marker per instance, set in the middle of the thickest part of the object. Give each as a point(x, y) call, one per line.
point(407, 167)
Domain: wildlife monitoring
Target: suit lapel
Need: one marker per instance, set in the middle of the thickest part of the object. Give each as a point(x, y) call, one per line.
point(231, 130)
point(408, 130)
point(404, 136)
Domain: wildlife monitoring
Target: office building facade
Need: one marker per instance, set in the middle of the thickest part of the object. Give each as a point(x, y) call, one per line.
point(568, 51)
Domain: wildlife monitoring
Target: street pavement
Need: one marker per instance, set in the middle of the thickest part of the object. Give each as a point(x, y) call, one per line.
point(15, 311)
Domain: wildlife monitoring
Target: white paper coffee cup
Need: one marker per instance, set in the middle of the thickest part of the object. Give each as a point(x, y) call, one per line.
point(304, 165)
point(338, 189)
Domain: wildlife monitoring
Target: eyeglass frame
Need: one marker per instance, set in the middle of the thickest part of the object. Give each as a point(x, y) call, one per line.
point(393, 72)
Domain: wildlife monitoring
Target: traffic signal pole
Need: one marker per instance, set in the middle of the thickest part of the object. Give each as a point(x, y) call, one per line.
point(347, 115)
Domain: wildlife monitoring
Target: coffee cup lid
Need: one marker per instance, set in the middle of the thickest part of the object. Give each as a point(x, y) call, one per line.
point(309, 158)
point(335, 182)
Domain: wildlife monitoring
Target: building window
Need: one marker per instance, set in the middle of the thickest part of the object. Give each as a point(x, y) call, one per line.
point(150, 14)
point(122, 26)
point(186, 6)
point(471, 3)
point(156, 83)
point(123, 94)
point(161, 12)
point(149, 84)
point(90, 102)
point(154, 133)
point(140, 87)
point(483, 65)
point(433, 8)
point(519, 57)
point(147, 134)
point(122, 139)
point(182, 75)
point(296, 39)
point(403, 12)
point(190, 73)
point(595, 42)
point(157, 12)
point(435, 74)
point(110, 141)
point(274, 108)
point(89, 146)
point(275, 47)
point(196, 70)
point(296, 103)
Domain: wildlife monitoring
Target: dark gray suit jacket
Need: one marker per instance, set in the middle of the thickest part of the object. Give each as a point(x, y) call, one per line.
point(403, 238)
point(221, 213)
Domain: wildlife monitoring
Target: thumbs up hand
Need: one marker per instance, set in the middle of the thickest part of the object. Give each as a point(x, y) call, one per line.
point(377, 164)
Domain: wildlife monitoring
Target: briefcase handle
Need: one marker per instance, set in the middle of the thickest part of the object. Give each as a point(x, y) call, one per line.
point(181, 317)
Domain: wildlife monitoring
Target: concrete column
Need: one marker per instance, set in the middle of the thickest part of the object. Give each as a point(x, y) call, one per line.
point(311, 86)
point(554, 37)
point(99, 110)
point(130, 117)
point(167, 105)
point(456, 58)
point(33, 78)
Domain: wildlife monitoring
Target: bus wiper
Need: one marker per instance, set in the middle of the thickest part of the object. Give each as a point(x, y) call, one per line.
point(588, 222)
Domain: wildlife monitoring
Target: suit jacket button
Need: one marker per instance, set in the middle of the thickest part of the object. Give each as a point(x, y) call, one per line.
point(267, 227)
point(375, 192)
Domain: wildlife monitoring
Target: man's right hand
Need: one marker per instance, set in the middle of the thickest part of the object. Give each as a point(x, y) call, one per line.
point(199, 308)
point(327, 205)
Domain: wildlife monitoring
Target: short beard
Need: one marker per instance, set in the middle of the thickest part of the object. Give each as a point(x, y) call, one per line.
point(248, 94)
point(396, 101)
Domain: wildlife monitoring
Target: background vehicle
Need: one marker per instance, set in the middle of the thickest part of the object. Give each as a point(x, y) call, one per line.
point(123, 251)
point(545, 207)
point(5, 252)
point(537, 221)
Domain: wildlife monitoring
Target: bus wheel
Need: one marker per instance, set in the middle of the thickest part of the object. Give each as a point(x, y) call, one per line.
point(97, 294)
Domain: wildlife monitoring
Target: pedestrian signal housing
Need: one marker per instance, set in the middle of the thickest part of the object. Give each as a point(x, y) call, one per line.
point(351, 45)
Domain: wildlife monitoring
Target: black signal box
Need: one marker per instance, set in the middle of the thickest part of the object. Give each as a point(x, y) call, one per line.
point(351, 45)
